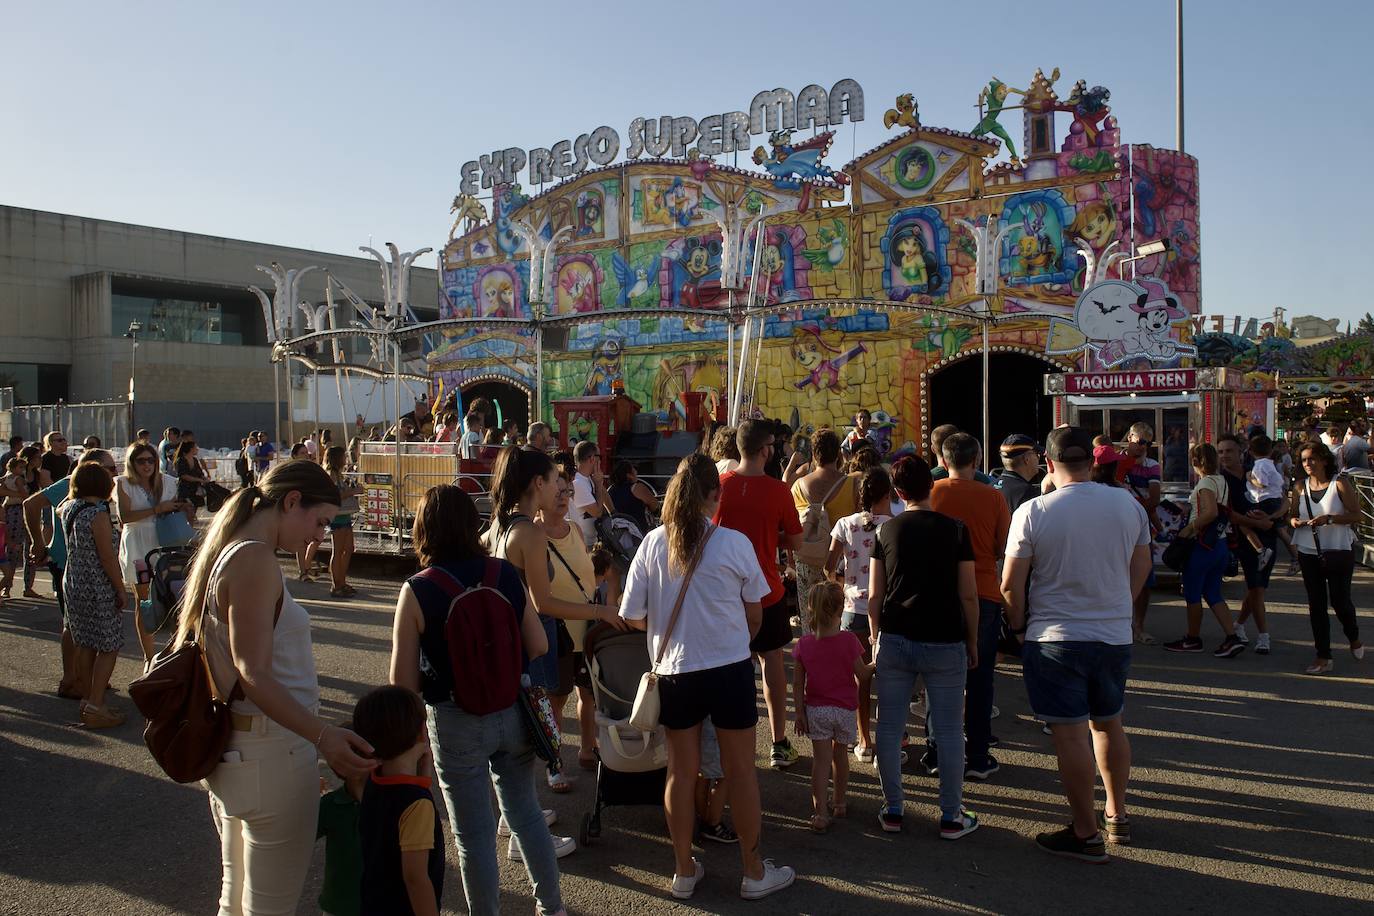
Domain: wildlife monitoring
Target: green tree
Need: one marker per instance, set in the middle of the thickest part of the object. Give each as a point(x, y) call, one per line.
point(1366, 325)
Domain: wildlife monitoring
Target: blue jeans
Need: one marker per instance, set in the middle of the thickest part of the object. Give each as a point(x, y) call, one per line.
point(470, 754)
point(1202, 576)
point(543, 671)
point(978, 708)
point(943, 666)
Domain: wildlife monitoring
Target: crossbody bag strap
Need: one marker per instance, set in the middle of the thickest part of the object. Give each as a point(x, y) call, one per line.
point(1307, 497)
point(576, 578)
point(682, 592)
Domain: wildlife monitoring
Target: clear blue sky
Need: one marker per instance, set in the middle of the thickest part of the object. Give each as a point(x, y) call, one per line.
point(320, 125)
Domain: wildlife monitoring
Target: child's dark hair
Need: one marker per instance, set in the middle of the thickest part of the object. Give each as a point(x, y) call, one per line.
point(601, 560)
point(389, 718)
point(1261, 446)
point(874, 487)
point(824, 603)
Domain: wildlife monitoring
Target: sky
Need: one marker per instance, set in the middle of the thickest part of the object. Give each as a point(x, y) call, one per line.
point(329, 125)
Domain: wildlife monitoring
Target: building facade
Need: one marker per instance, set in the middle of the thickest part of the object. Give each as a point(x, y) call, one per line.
point(71, 286)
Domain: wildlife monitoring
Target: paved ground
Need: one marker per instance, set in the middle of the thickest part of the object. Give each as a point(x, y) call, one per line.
point(1251, 794)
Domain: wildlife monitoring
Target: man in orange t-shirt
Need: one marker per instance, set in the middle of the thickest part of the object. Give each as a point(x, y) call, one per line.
point(761, 508)
point(984, 511)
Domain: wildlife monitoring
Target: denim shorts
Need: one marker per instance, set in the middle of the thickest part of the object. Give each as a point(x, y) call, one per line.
point(1069, 682)
point(725, 695)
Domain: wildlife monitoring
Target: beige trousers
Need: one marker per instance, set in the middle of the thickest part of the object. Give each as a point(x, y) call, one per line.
point(265, 804)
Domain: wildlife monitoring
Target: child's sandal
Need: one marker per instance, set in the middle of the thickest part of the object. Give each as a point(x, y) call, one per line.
point(839, 811)
point(820, 824)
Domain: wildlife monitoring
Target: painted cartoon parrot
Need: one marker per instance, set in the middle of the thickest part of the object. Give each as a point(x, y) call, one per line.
point(634, 281)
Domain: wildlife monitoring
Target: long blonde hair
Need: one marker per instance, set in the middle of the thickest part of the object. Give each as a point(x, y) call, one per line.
point(696, 479)
point(304, 477)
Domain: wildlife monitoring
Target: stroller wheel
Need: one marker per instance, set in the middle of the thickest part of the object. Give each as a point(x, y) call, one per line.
point(584, 834)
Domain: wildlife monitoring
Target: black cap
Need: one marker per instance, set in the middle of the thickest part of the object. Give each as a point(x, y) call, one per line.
point(1069, 444)
point(1017, 443)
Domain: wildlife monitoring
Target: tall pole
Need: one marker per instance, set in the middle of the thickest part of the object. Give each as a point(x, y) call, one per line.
point(276, 402)
point(538, 370)
point(730, 357)
point(987, 448)
point(1178, 70)
point(133, 367)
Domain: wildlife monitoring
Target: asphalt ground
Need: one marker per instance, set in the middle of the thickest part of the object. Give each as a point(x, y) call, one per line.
point(1251, 793)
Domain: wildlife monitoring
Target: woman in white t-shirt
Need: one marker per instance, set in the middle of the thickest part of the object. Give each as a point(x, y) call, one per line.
point(1327, 509)
point(851, 547)
point(703, 662)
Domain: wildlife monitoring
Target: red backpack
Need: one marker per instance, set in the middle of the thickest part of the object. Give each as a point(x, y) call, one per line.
point(485, 649)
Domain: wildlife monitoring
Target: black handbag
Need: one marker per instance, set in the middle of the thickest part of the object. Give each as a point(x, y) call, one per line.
point(1177, 552)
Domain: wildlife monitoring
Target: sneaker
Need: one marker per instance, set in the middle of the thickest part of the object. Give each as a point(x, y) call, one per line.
point(863, 754)
point(890, 818)
point(1265, 556)
point(994, 741)
point(1357, 650)
point(1321, 666)
point(1116, 829)
point(550, 818)
point(562, 846)
point(995, 712)
point(980, 772)
point(784, 755)
point(1186, 644)
point(930, 762)
point(685, 885)
point(1044, 727)
point(1262, 644)
point(1067, 843)
point(953, 830)
point(775, 878)
point(1230, 647)
point(719, 833)
point(1241, 635)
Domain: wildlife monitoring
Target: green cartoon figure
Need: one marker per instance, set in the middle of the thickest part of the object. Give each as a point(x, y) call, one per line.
point(996, 96)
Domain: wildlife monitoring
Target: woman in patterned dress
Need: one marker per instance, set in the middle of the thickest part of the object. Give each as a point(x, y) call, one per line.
point(94, 588)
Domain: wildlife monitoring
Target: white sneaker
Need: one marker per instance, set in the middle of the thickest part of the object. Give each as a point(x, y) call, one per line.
point(1241, 635)
point(1262, 644)
point(685, 885)
point(503, 829)
point(774, 879)
point(1264, 557)
point(562, 846)
point(995, 712)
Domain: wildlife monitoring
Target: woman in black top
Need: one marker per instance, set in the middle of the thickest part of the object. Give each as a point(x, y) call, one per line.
point(472, 752)
point(923, 612)
point(191, 477)
point(632, 496)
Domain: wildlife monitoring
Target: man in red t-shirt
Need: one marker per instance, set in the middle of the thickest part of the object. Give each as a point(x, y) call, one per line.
point(761, 507)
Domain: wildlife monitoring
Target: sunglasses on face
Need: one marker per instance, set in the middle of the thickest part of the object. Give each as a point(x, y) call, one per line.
point(145, 460)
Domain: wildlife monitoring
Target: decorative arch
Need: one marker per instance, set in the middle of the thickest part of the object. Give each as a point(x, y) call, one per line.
point(923, 424)
point(499, 375)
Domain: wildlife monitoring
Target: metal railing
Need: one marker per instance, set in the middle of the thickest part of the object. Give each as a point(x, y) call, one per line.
point(1364, 488)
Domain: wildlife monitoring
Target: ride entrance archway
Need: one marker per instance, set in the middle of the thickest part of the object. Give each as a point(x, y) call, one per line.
point(507, 401)
point(1017, 402)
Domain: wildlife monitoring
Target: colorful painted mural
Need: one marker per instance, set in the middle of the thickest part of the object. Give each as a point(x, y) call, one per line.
point(932, 217)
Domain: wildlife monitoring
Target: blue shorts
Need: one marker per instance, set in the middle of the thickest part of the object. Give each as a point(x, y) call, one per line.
point(1070, 682)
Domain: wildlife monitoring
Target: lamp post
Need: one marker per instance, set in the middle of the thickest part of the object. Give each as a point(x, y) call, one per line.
point(1147, 250)
point(135, 328)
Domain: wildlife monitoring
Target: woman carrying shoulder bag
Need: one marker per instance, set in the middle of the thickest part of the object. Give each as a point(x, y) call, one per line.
point(697, 589)
point(264, 794)
point(524, 484)
point(1325, 540)
point(472, 752)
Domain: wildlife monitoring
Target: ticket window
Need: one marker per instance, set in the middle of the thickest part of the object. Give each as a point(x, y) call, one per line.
point(1170, 423)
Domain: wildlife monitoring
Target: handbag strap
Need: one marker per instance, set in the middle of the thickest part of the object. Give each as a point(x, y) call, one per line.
point(576, 578)
point(1307, 497)
point(682, 592)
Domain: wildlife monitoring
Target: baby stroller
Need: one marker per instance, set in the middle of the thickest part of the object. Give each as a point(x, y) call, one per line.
point(620, 534)
point(632, 766)
point(166, 569)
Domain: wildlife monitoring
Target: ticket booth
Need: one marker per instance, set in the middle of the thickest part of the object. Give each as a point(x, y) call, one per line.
point(1183, 406)
point(604, 416)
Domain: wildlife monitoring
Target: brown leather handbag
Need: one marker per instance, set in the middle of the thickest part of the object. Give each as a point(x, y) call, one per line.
point(188, 727)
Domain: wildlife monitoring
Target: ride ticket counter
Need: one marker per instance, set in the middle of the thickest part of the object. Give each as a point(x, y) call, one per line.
point(1183, 406)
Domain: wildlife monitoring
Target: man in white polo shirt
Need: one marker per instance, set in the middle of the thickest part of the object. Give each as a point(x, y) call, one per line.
point(1085, 550)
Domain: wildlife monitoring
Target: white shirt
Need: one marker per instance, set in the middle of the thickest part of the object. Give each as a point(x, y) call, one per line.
point(470, 443)
point(583, 498)
point(1264, 481)
point(712, 629)
point(1333, 537)
point(858, 552)
point(312, 448)
point(726, 465)
point(1080, 539)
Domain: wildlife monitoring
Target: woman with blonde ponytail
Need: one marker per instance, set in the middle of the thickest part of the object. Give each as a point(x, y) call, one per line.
point(703, 663)
point(264, 795)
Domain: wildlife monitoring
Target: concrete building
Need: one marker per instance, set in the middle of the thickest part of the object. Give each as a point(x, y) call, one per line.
point(70, 286)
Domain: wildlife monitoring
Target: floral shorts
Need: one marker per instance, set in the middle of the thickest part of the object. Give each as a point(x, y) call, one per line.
point(831, 723)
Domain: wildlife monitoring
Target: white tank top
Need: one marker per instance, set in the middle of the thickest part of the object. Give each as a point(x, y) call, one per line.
point(1333, 537)
point(293, 656)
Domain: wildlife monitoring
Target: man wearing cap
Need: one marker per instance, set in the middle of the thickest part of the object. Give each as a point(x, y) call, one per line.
point(1084, 550)
point(1020, 478)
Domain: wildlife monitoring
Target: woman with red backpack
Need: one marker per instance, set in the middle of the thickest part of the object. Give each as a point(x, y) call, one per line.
point(462, 635)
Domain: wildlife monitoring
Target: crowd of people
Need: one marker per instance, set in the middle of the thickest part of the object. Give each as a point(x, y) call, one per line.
point(908, 580)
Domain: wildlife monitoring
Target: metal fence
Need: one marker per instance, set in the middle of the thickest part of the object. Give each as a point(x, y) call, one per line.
point(107, 419)
point(1364, 487)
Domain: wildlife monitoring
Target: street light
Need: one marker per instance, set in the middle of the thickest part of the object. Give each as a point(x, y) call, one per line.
point(135, 328)
point(1147, 250)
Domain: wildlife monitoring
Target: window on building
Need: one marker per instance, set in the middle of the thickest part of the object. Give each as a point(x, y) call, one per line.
point(182, 313)
point(35, 383)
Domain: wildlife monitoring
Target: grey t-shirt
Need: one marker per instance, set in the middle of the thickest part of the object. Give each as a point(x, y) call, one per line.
point(1355, 453)
point(1080, 539)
